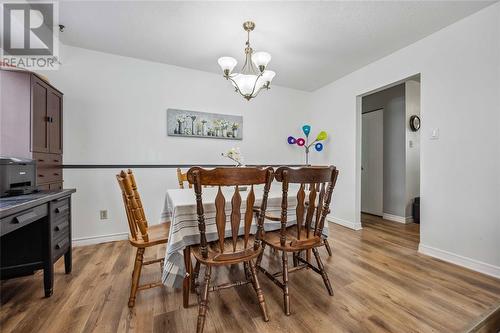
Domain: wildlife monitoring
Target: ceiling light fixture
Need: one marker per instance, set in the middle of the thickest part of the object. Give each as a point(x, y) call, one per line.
point(254, 76)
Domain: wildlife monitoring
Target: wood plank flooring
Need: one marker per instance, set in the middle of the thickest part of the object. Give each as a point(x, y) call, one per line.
point(381, 284)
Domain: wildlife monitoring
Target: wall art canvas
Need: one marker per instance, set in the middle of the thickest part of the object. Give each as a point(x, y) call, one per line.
point(204, 125)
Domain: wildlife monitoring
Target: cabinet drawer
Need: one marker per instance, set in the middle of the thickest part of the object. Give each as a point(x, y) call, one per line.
point(60, 216)
point(45, 160)
point(56, 186)
point(51, 175)
point(60, 246)
point(59, 207)
point(60, 227)
point(48, 168)
point(43, 187)
point(13, 222)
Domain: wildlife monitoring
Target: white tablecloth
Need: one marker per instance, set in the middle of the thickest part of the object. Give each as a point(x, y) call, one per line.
point(180, 209)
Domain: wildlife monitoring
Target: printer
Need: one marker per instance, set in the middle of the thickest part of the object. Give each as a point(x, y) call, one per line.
point(17, 176)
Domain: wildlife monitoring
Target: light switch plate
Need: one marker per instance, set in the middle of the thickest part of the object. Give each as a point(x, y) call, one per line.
point(103, 214)
point(435, 134)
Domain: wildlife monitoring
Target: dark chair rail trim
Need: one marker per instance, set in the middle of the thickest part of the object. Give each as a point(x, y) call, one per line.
point(162, 166)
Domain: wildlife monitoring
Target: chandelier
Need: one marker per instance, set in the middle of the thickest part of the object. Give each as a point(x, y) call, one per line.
point(253, 76)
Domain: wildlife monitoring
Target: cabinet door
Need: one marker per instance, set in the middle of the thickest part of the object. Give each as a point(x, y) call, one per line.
point(39, 116)
point(54, 111)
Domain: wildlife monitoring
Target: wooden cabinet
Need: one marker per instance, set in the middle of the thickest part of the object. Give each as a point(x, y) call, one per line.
point(46, 109)
point(54, 112)
point(32, 120)
point(39, 116)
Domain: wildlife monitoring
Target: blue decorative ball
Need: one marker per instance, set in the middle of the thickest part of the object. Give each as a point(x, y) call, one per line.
point(318, 146)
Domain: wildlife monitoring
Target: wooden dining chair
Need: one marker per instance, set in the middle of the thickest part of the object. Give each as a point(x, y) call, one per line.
point(306, 235)
point(327, 245)
point(142, 235)
point(181, 178)
point(234, 250)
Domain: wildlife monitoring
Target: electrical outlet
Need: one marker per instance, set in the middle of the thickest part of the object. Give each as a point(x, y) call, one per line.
point(103, 214)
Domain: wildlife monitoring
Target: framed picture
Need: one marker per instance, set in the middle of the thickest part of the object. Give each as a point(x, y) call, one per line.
point(204, 125)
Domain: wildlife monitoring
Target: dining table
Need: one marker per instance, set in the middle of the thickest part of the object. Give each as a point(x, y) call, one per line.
point(180, 209)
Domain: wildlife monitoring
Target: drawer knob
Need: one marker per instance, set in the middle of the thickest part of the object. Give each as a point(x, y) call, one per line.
point(62, 209)
point(61, 244)
point(61, 226)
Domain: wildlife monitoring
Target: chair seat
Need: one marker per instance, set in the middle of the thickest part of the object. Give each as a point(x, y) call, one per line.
point(157, 234)
point(215, 258)
point(293, 244)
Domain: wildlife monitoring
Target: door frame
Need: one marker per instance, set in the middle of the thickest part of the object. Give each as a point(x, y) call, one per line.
point(357, 166)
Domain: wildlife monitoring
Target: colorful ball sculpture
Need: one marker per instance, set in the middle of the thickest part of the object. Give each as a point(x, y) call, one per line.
point(301, 142)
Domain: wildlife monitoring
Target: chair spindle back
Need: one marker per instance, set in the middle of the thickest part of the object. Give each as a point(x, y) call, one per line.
point(310, 214)
point(133, 205)
point(227, 177)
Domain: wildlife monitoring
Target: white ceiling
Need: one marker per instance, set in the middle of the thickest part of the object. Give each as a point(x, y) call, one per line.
point(312, 43)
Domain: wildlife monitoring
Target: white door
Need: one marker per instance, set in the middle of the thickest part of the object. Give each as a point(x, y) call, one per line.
point(372, 167)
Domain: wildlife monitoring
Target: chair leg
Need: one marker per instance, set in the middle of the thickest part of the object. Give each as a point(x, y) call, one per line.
point(194, 278)
point(286, 296)
point(295, 260)
point(247, 272)
point(202, 310)
point(258, 290)
point(136, 275)
point(328, 249)
point(323, 272)
point(187, 277)
point(259, 258)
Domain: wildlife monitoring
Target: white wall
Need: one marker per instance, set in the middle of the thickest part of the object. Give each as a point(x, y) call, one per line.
point(412, 150)
point(460, 178)
point(115, 113)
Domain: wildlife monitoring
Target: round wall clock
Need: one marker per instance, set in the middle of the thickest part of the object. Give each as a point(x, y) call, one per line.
point(415, 123)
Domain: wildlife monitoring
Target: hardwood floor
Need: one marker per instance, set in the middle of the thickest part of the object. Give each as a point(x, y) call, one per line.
point(381, 284)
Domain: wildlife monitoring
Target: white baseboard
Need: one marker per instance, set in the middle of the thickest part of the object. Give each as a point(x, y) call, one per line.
point(396, 218)
point(99, 239)
point(459, 260)
point(345, 223)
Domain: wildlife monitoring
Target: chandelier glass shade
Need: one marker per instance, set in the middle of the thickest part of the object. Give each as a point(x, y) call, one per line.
point(254, 75)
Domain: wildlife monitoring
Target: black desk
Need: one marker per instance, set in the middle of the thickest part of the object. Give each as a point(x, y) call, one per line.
point(35, 231)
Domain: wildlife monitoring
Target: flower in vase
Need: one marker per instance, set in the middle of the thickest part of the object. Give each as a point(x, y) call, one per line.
point(224, 124)
point(235, 155)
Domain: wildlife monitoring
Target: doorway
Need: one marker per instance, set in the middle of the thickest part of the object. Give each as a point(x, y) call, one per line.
point(389, 156)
